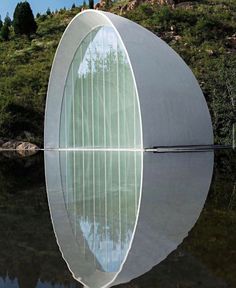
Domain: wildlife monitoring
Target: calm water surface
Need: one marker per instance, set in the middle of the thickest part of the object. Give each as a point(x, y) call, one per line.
point(30, 257)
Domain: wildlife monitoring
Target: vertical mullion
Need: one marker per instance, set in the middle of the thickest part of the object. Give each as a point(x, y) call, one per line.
point(93, 156)
point(73, 135)
point(104, 93)
point(135, 160)
point(110, 98)
point(118, 128)
point(104, 135)
point(92, 100)
point(74, 191)
point(82, 124)
point(73, 105)
point(82, 100)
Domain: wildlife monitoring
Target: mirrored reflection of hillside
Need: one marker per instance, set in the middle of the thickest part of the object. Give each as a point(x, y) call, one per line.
point(29, 255)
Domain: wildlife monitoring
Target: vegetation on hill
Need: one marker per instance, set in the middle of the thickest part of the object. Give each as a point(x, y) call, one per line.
point(203, 33)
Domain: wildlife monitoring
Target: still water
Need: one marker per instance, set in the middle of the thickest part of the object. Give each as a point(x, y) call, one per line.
point(98, 204)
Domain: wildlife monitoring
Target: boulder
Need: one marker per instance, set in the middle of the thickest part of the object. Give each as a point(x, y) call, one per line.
point(232, 41)
point(102, 4)
point(133, 4)
point(27, 146)
point(11, 144)
point(97, 6)
point(27, 149)
point(166, 2)
point(123, 9)
point(20, 148)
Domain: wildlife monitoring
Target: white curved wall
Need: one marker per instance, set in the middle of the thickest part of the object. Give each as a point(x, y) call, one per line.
point(173, 108)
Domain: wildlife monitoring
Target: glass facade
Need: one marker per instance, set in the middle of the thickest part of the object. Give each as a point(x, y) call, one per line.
point(102, 193)
point(100, 107)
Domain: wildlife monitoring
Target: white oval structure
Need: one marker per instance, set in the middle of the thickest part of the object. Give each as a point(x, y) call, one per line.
point(115, 85)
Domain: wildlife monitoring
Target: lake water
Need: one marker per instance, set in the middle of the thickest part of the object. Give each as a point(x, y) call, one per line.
point(31, 253)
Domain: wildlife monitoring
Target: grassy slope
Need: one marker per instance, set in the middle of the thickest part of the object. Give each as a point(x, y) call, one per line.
point(24, 71)
point(199, 34)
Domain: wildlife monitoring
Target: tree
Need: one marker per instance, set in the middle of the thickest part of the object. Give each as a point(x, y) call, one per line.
point(91, 4)
point(5, 32)
point(23, 19)
point(73, 6)
point(38, 15)
point(84, 4)
point(48, 12)
point(1, 24)
point(7, 20)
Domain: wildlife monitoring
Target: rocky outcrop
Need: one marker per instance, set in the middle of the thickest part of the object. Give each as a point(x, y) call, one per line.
point(20, 147)
point(100, 5)
point(132, 4)
point(97, 6)
point(26, 146)
point(165, 2)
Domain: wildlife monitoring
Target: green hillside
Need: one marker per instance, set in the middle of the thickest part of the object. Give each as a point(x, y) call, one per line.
point(202, 32)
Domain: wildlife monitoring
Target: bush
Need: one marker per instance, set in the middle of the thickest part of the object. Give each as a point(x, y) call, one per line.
point(5, 32)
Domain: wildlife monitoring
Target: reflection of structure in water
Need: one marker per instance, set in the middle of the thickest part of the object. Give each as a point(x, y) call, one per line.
point(101, 192)
point(94, 203)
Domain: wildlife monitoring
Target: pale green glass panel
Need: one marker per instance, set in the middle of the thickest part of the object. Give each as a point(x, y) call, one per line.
point(100, 107)
point(101, 192)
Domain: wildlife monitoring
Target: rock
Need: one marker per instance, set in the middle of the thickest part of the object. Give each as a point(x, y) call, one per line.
point(133, 4)
point(187, 5)
point(102, 4)
point(123, 9)
point(210, 52)
point(232, 41)
point(11, 144)
point(161, 2)
point(97, 6)
point(27, 146)
point(177, 37)
point(27, 149)
point(19, 148)
point(166, 2)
